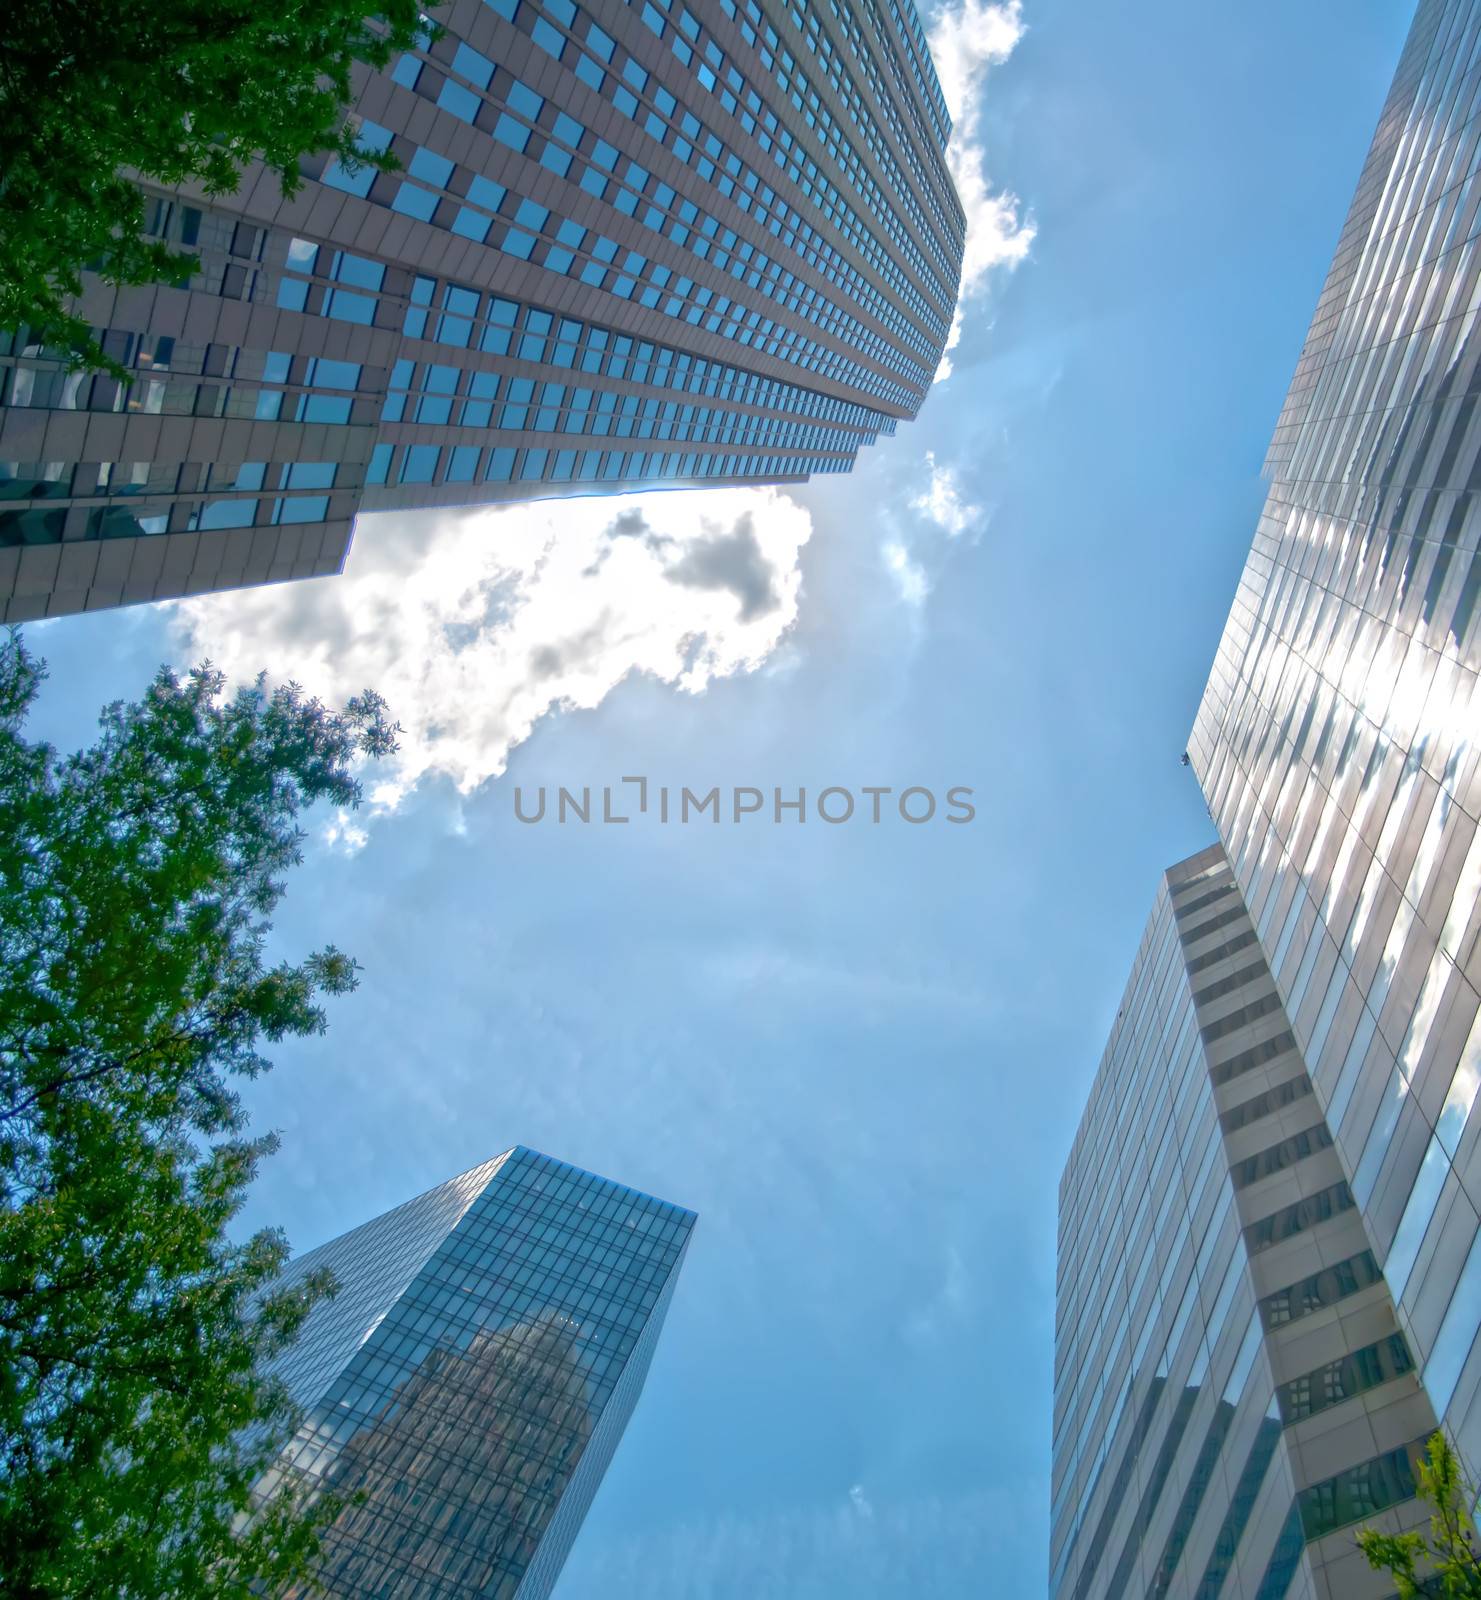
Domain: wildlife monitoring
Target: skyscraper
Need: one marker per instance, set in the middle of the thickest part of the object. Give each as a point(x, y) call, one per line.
point(1339, 740)
point(628, 245)
point(466, 1389)
point(1232, 1389)
point(1337, 747)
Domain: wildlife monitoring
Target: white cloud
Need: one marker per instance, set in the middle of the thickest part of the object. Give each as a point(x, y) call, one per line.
point(860, 1500)
point(966, 42)
point(942, 502)
point(344, 833)
point(911, 548)
point(909, 575)
point(475, 626)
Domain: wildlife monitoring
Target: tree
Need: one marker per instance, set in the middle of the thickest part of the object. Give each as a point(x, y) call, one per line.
point(95, 92)
point(137, 879)
point(1450, 1551)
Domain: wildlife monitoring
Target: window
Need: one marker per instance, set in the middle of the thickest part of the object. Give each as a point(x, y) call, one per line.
point(472, 225)
point(224, 514)
point(301, 508)
point(463, 103)
point(485, 192)
point(1341, 1380)
point(411, 201)
point(372, 139)
point(530, 215)
point(346, 306)
point(419, 464)
point(514, 134)
point(329, 374)
point(548, 38)
point(1294, 1219)
point(1282, 1155)
point(474, 67)
point(1321, 1289)
point(1358, 1493)
point(332, 408)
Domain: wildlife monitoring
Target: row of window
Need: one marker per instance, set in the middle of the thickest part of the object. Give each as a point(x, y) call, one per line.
point(20, 480)
point(1344, 1379)
point(1241, 1017)
point(430, 463)
point(1356, 1495)
point(595, 412)
point(1265, 1104)
point(1210, 958)
point(564, 1249)
point(1227, 985)
point(1186, 908)
point(1248, 1060)
point(530, 334)
point(1191, 936)
point(38, 525)
point(1320, 1290)
point(60, 390)
point(1278, 1157)
point(1298, 1217)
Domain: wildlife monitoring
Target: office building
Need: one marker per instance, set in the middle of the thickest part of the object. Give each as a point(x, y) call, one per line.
point(465, 1390)
point(628, 245)
point(1337, 747)
point(1339, 738)
point(1233, 1393)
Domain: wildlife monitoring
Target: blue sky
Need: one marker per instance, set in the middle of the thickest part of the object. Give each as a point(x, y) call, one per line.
point(858, 1052)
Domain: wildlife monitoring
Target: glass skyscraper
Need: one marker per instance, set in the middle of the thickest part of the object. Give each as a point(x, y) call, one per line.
point(629, 244)
point(465, 1390)
point(1329, 1112)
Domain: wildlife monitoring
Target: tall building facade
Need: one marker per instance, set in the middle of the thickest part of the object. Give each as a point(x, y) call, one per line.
point(1339, 739)
point(629, 245)
point(465, 1390)
point(1337, 747)
point(1233, 1391)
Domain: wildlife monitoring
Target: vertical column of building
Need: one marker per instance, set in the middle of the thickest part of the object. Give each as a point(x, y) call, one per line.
point(1233, 1392)
point(1337, 741)
point(1347, 1405)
